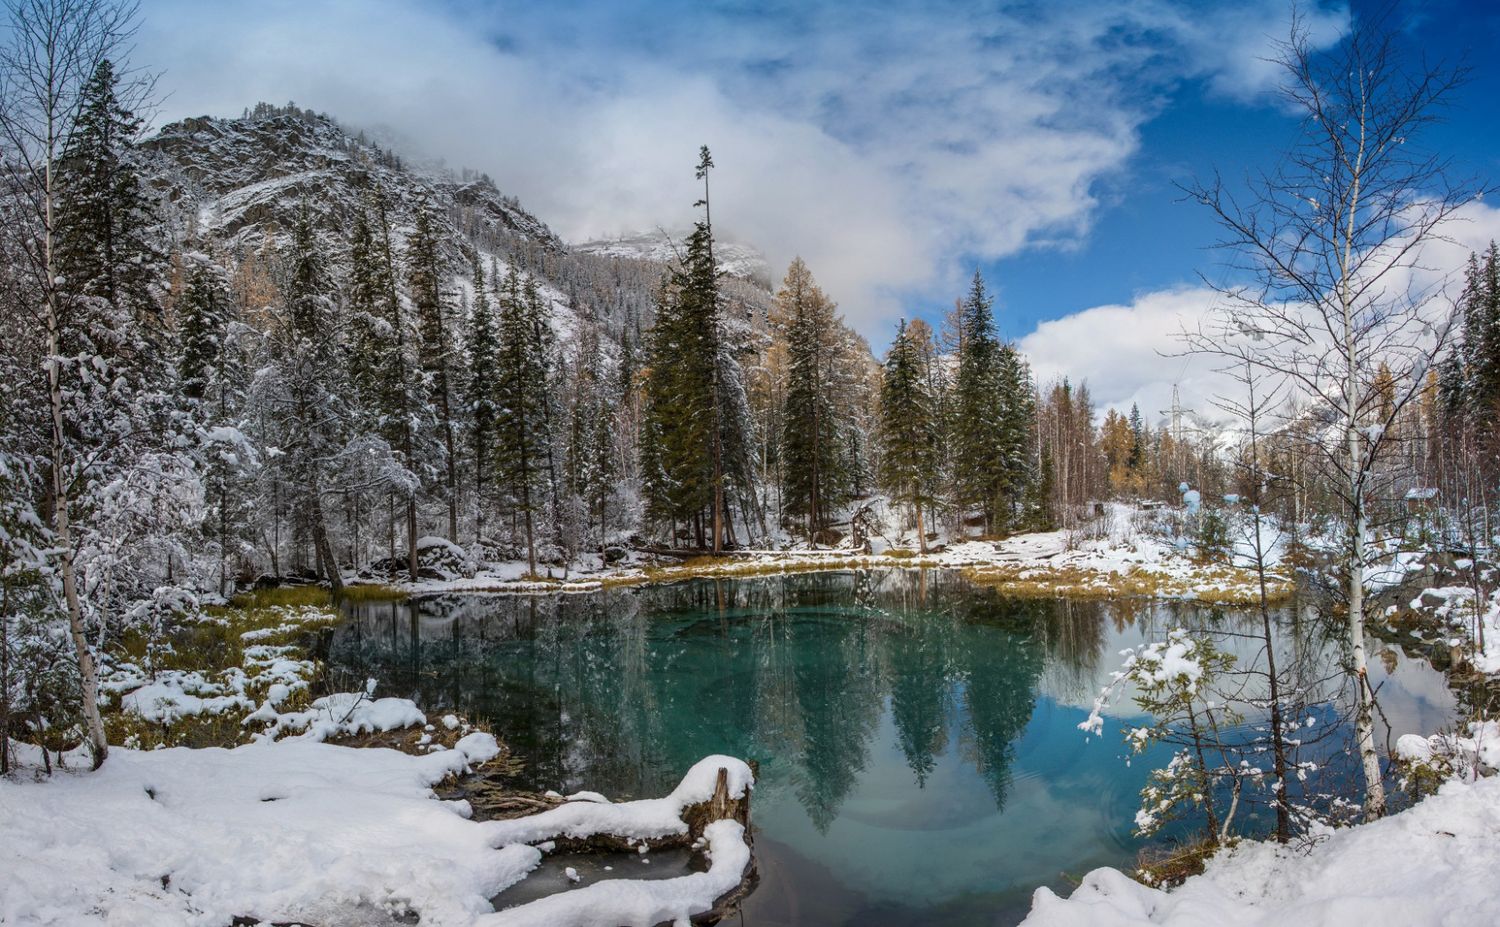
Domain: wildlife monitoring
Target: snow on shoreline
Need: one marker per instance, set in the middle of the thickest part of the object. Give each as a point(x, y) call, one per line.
point(296, 830)
point(306, 831)
point(1433, 863)
point(1120, 559)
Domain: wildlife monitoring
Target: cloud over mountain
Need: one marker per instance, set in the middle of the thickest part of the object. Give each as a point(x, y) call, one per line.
point(888, 145)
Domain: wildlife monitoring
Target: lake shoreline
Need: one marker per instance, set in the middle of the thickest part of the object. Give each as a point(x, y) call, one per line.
point(1039, 565)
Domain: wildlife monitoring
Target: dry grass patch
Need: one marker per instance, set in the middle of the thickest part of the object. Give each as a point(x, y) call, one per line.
point(1168, 867)
point(284, 595)
point(227, 647)
point(1215, 586)
point(374, 592)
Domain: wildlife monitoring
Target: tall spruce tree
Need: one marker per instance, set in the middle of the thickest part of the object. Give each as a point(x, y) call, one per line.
point(211, 375)
point(695, 442)
point(405, 415)
point(979, 414)
point(104, 245)
point(369, 337)
point(300, 391)
point(201, 327)
point(704, 284)
point(424, 279)
point(482, 354)
point(908, 429)
point(1480, 346)
point(590, 466)
point(537, 313)
point(522, 386)
point(1137, 459)
point(1017, 438)
point(815, 432)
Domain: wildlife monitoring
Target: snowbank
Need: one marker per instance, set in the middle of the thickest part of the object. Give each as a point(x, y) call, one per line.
point(1432, 864)
point(296, 830)
point(638, 903)
point(342, 713)
point(309, 832)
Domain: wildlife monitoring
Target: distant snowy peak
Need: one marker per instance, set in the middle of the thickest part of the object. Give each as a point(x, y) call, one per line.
point(239, 180)
point(733, 258)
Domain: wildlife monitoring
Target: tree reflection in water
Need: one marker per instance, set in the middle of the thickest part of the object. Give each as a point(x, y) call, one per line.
point(917, 734)
point(621, 690)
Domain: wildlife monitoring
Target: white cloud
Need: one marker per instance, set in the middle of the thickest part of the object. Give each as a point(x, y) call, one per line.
point(886, 146)
point(1131, 354)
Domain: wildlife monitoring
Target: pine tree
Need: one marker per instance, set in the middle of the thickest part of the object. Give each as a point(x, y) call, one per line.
point(300, 392)
point(591, 434)
point(424, 278)
point(908, 428)
point(1481, 334)
point(103, 242)
point(815, 433)
point(405, 416)
point(369, 337)
point(537, 311)
point(703, 282)
point(978, 426)
point(482, 350)
point(211, 377)
point(522, 386)
point(1137, 458)
point(1017, 436)
point(201, 331)
point(695, 436)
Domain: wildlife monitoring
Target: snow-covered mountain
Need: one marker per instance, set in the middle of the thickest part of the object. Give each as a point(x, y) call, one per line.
point(734, 259)
point(240, 179)
point(237, 185)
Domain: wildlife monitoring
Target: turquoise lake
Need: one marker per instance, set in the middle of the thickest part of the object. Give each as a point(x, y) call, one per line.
point(917, 736)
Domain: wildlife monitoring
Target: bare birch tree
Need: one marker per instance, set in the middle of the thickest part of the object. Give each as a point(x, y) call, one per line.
point(1332, 245)
point(54, 47)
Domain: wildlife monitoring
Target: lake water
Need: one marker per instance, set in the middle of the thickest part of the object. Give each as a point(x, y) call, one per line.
point(920, 760)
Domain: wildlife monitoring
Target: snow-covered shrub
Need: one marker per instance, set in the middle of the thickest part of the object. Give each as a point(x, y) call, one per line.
point(39, 683)
point(1428, 762)
point(1211, 536)
point(39, 688)
point(1174, 684)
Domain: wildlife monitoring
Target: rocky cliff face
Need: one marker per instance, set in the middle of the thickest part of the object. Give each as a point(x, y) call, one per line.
point(236, 180)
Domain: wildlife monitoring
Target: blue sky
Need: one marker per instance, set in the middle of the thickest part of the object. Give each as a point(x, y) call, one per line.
point(894, 146)
point(1144, 239)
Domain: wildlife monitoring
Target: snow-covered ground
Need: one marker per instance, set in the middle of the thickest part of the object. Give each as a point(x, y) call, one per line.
point(1119, 554)
point(1434, 863)
point(311, 832)
point(296, 830)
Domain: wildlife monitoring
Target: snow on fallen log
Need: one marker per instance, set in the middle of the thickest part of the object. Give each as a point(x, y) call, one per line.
point(627, 902)
point(637, 820)
point(709, 808)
